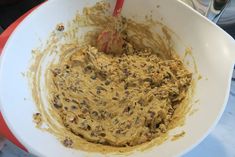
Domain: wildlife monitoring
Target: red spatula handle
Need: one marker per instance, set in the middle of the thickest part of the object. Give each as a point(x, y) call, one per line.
point(4, 130)
point(118, 7)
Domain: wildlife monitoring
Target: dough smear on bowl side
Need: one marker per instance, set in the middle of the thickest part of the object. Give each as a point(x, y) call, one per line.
point(106, 102)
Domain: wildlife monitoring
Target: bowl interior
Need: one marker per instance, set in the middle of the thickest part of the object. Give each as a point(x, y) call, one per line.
point(213, 59)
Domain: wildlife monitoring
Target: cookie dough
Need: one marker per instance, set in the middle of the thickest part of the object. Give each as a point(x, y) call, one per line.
point(123, 100)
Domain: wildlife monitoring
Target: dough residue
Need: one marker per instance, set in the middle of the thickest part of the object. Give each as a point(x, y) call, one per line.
point(102, 102)
point(120, 101)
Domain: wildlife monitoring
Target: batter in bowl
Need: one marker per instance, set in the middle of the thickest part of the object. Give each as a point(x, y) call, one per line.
point(104, 100)
point(117, 100)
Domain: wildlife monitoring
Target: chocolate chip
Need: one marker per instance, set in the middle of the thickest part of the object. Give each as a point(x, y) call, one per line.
point(148, 80)
point(84, 103)
point(67, 66)
point(127, 92)
point(56, 102)
point(85, 126)
point(68, 142)
point(60, 27)
point(141, 101)
point(93, 77)
point(115, 121)
point(134, 75)
point(67, 100)
point(171, 111)
point(57, 105)
point(107, 83)
point(74, 101)
point(88, 69)
point(84, 110)
point(126, 86)
point(152, 114)
point(102, 134)
point(103, 75)
point(101, 88)
point(118, 131)
point(137, 120)
point(38, 114)
point(66, 108)
point(95, 115)
point(126, 72)
point(74, 107)
point(98, 92)
point(93, 133)
point(56, 71)
point(127, 109)
point(99, 128)
point(114, 98)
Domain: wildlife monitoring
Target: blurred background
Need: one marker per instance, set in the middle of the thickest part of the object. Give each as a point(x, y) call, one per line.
point(10, 10)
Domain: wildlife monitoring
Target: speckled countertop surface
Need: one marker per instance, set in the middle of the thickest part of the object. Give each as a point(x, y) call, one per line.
point(220, 143)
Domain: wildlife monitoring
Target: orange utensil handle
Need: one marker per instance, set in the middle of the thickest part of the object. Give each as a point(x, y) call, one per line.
point(118, 7)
